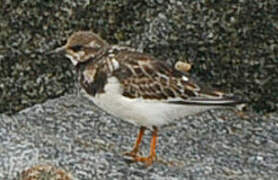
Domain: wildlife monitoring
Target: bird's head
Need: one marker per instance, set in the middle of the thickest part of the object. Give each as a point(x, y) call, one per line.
point(82, 46)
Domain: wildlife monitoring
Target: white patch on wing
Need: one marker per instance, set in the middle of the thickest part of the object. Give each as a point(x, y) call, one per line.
point(139, 111)
point(184, 78)
point(163, 75)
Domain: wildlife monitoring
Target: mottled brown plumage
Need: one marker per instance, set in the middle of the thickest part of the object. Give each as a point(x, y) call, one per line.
point(142, 76)
point(137, 87)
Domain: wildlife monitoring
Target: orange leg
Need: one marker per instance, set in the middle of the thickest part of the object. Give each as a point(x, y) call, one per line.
point(135, 149)
point(149, 160)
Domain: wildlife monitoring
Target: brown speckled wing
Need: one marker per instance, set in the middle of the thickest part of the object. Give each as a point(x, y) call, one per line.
point(142, 76)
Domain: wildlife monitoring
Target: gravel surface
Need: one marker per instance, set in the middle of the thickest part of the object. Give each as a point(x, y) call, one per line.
point(232, 44)
point(71, 133)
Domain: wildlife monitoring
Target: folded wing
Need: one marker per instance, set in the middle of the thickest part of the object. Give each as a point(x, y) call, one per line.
point(142, 76)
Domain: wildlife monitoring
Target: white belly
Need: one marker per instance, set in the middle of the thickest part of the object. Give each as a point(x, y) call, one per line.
point(146, 113)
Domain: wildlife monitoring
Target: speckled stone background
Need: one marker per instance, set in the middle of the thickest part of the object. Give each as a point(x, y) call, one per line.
point(72, 134)
point(232, 44)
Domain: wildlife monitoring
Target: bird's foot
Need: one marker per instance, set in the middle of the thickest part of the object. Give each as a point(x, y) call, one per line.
point(131, 153)
point(146, 160)
point(137, 158)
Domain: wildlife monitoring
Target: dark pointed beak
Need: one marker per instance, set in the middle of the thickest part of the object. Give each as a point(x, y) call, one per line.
point(59, 50)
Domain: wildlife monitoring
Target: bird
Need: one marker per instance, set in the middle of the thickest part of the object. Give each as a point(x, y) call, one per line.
point(137, 87)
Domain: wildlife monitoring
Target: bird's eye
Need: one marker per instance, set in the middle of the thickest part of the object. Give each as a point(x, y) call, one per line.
point(76, 48)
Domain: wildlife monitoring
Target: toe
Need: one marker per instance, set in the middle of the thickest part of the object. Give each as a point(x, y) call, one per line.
point(146, 160)
point(131, 154)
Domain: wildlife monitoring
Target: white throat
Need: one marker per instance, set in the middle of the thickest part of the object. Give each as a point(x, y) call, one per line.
point(74, 62)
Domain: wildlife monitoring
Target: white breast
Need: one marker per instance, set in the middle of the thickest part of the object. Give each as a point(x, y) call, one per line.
point(142, 112)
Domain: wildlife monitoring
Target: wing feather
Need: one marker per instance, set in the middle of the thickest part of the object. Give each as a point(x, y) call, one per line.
point(142, 76)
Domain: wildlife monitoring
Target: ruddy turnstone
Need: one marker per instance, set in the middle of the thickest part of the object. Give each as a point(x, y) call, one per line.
point(137, 87)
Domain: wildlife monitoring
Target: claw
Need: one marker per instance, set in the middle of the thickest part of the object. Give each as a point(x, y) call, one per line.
point(146, 160)
point(131, 154)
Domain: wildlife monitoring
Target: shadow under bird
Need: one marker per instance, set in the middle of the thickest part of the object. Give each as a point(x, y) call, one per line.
point(136, 87)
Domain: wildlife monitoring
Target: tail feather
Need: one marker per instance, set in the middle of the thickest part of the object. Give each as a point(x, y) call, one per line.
point(228, 101)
